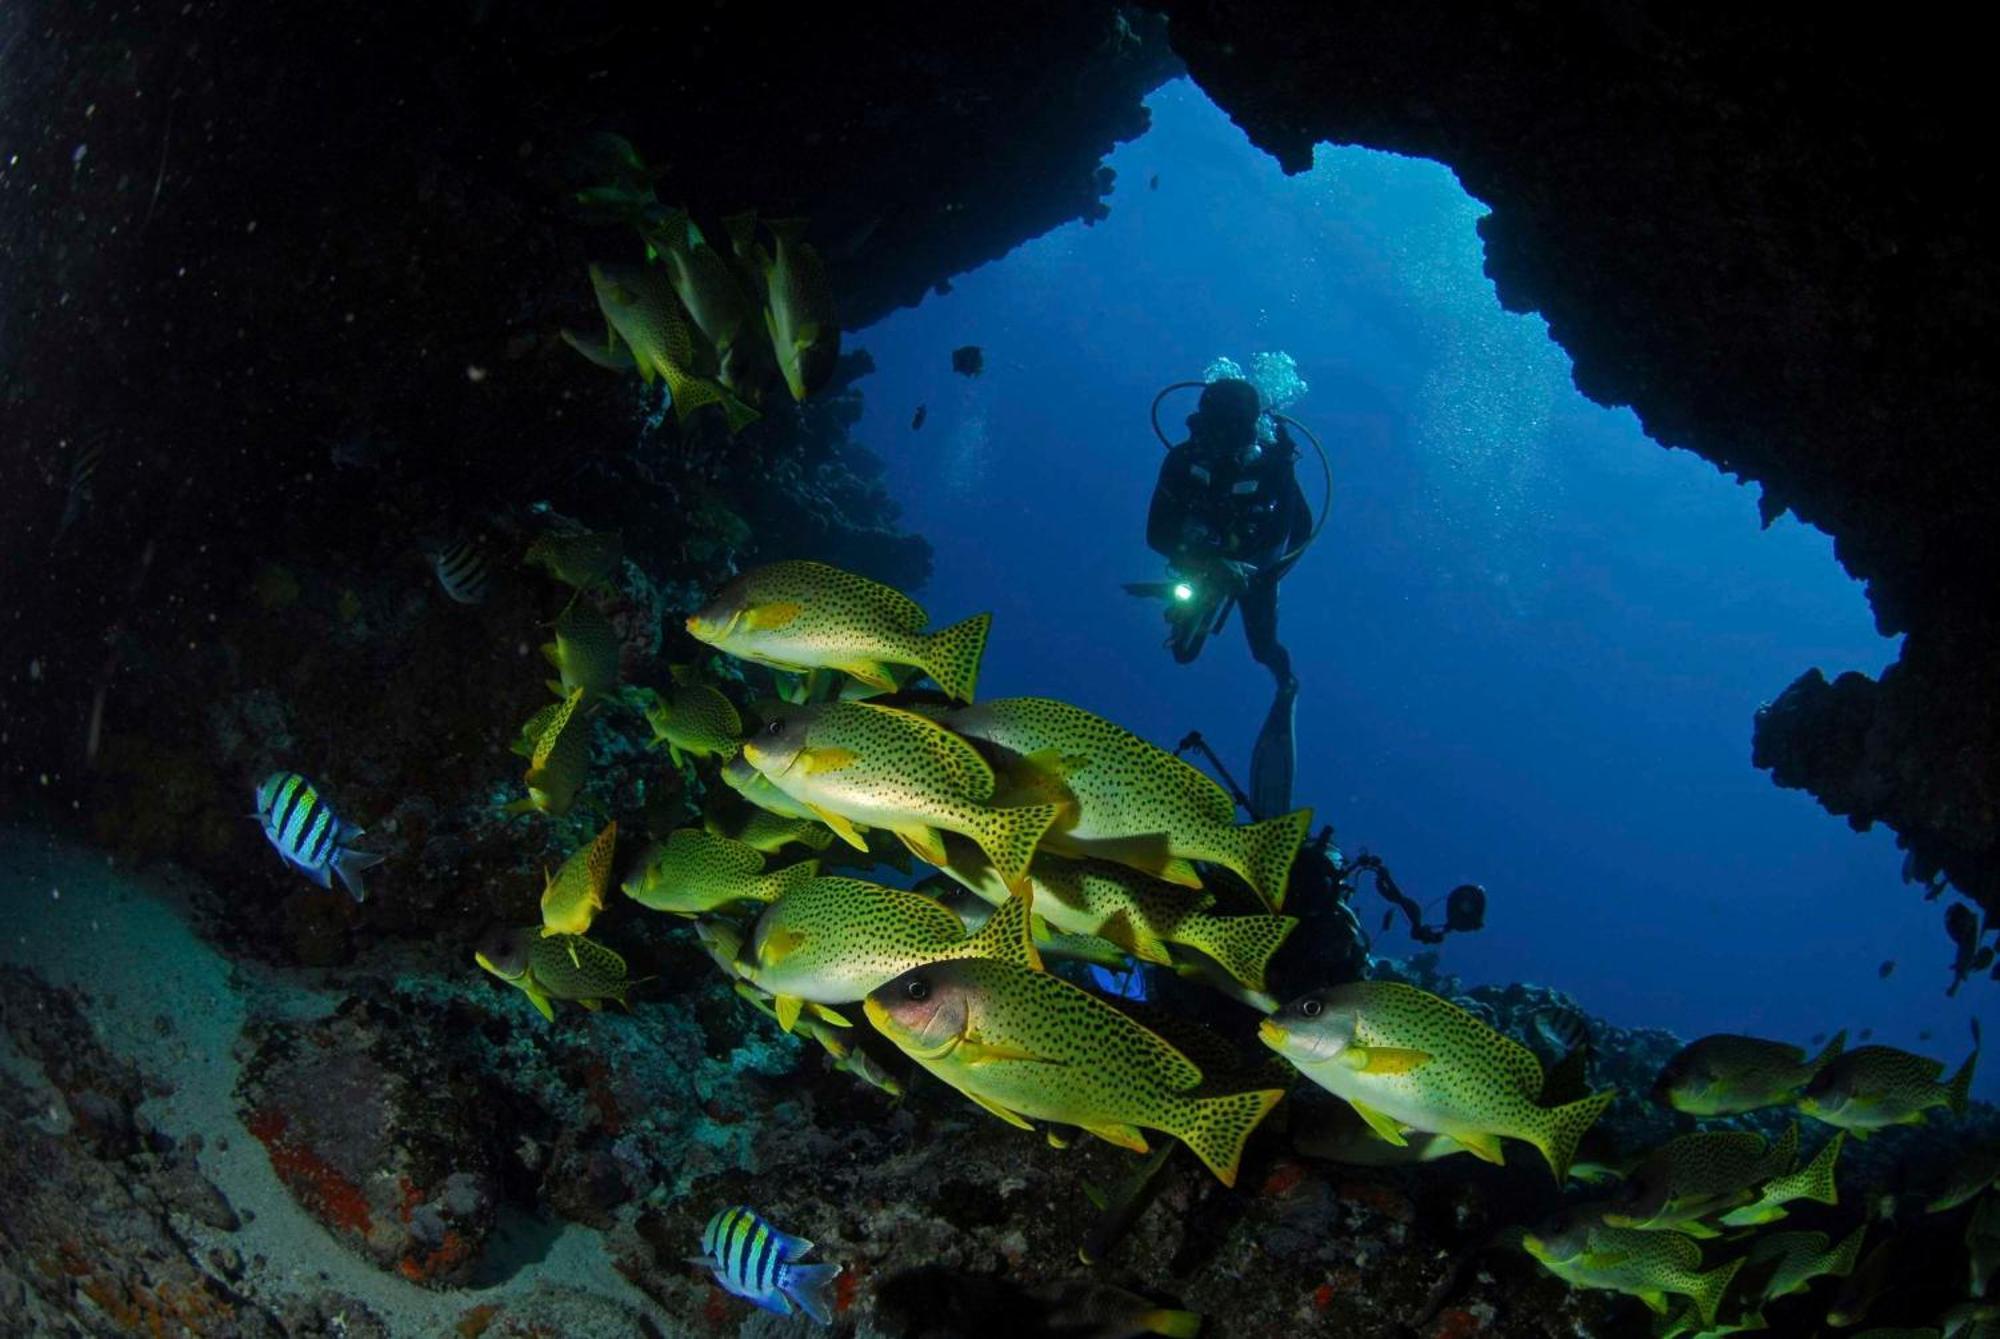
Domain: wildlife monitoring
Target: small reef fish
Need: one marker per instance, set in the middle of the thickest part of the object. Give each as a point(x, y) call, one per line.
point(1726, 1075)
point(917, 419)
point(1698, 1175)
point(799, 313)
point(305, 831)
point(1860, 1289)
point(974, 911)
point(573, 896)
point(1088, 1309)
point(533, 728)
point(464, 569)
point(1814, 1181)
point(1973, 1172)
point(1024, 1044)
point(752, 785)
point(968, 360)
point(1141, 915)
point(1795, 1259)
point(1646, 1265)
point(849, 1055)
point(1126, 800)
point(800, 615)
point(1335, 1132)
point(587, 560)
point(754, 1261)
point(694, 872)
point(1562, 1029)
point(770, 833)
point(705, 282)
point(855, 763)
point(1401, 1056)
point(554, 967)
point(695, 720)
point(831, 940)
point(1872, 1087)
point(584, 653)
point(643, 312)
point(558, 760)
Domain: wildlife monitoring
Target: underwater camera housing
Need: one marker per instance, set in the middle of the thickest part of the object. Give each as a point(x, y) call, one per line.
point(1197, 606)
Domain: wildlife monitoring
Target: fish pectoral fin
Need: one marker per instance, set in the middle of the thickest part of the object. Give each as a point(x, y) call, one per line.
point(776, 947)
point(540, 1001)
point(766, 617)
point(1124, 1136)
point(1600, 1260)
point(817, 762)
point(1054, 763)
point(826, 1015)
point(551, 654)
point(848, 832)
point(926, 844)
point(787, 1008)
point(1011, 1117)
point(1484, 1146)
point(976, 1052)
point(1387, 1128)
point(1384, 1059)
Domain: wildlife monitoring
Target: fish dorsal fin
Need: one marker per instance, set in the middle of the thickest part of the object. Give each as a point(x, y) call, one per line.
point(968, 771)
point(1007, 934)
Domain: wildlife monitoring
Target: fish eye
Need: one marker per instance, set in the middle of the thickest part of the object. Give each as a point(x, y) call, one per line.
point(774, 729)
point(917, 989)
point(1310, 1007)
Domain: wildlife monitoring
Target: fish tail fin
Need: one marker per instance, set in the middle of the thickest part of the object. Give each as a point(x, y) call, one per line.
point(349, 863)
point(1814, 1181)
point(1961, 1082)
point(1708, 1288)
point(1241, 945)
point(1563, 1127)
point(1009, 838)
point(952, 655)
point(778, 882)
point(1174, 1324)
point(1268, 851)
point(1840, 1262)
point(689, 392)
point(1008, 933)
point(811, 1286)
point(1220, 1126)
point(1831, 1053)
point(736, 413)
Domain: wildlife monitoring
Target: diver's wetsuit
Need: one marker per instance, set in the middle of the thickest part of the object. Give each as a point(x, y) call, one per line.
point(1212, 504)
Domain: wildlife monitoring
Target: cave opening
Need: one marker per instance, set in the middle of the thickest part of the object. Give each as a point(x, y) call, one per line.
point(1531, 641)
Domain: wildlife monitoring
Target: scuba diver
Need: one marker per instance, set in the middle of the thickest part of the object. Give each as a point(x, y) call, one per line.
point(1231, 520)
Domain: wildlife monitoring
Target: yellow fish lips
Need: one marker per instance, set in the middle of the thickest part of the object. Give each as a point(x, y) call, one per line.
point(1271, 1034)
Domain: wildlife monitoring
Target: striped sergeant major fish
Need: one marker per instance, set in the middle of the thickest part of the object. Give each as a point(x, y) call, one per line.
point(755, 1261)
point(307, 833)
point(464, 569)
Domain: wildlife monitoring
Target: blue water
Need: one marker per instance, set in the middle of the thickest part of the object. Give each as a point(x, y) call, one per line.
point(1531, 640)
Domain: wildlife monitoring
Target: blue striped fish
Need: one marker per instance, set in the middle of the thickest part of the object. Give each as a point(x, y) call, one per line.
point(754, 1260)
point(464, 570)
point(306, 832)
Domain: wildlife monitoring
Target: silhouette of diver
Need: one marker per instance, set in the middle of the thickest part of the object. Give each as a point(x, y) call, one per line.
point(1231, 520)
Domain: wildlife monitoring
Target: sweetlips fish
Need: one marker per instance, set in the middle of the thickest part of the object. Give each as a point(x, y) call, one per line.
point(1873, 1087)
point(1125, 800)
point(1139, 914)
point(304, 830)
point(849, 1055)
point(762, 830)
point(1024, 1044)
point(573, 896)
point(1648, 1265)
point(554, 967)
point(1682, 1320)
point(974, 912)
point(831, 940)
point(533, 728)
point(798, 313)
point(695, 720)
point(1814, 1181)
point(1725, 1075)
point(799, 615)
point(854, 763)
point(557, 762)
point(587, 559)
point(1698, 1175)
point(708, 286)
point(1404, 1058)
point(694, 872)
point(584, 652)
point(752, 785)
point(760, 1264)
point(1795, 1259)
point(643, 312)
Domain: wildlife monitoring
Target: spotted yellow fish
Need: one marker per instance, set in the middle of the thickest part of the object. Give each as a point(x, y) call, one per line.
point(1795, 1259)
point(1404, 1058)
point(1699, 1175)
point(974, 911)
point(770, 833)
point(1026, 1045)
point(1647, 1265)
point(643, 312)
point(709, 288)
point(854, 763)
point(849, 1053)
point(1125, 800)
point(559, 967)
point(799, 313)
point(694, 872)
point(584, 652)
point(1726, 1074)
point(801, 616)
point(1873, 1087)
point(1814, 1181)
point(752, 785)
point(695, 721)
point(587, 559)
point(572, 897)
point(558, 761)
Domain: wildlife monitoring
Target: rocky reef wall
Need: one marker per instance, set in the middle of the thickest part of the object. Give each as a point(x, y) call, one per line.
point(1769, 239)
